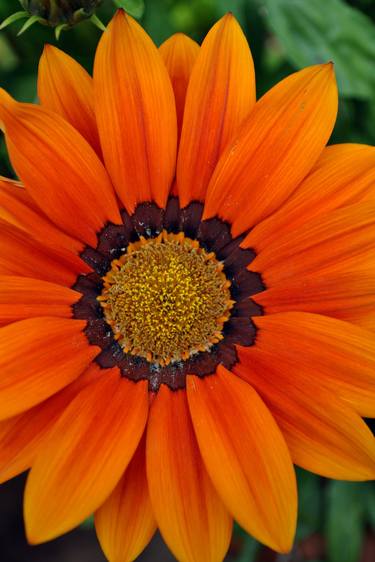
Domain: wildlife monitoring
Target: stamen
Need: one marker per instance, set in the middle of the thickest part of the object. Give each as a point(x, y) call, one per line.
point(166, 298)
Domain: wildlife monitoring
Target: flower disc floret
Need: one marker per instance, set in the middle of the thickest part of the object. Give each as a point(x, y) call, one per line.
point(166, 298)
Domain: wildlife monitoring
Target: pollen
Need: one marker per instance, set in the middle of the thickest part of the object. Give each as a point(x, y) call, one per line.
point(166, 298)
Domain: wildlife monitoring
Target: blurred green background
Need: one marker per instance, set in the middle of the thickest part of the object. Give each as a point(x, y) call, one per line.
point(336, 519)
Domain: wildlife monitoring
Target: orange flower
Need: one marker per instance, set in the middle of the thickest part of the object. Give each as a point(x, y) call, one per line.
point(177, 331)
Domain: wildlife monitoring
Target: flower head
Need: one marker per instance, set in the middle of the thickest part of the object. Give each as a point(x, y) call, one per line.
point(187, 290)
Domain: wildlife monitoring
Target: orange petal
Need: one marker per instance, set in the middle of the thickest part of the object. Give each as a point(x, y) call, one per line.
point(66, 88)
point(38, 357)
point(85, 455)
point(71, 187)
point(13, 187)
point(125, 523)
point(22, 297)
point(246, 456)
point(19, 209)
point(338, 354)
point(135, 110)
point(179, 53)
point(323, 434)
point(323, 243)
point(344, 174)
point(23, 256)
point(361, 316)
point(349, 295)
point(190, 515)
point(220, 95)
point(275, 149)
point(22, 436)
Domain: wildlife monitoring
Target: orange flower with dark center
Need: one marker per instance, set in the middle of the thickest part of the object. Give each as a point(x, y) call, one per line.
point(180, 326)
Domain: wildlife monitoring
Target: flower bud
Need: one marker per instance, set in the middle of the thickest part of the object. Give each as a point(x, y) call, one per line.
point(60, 12)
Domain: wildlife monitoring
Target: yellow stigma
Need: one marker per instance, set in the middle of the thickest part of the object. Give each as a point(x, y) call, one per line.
point(166, 298)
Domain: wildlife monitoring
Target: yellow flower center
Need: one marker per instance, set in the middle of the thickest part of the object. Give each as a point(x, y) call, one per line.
point(166, 298)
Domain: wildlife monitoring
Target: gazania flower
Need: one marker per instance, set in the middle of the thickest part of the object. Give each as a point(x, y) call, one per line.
point(187, 293)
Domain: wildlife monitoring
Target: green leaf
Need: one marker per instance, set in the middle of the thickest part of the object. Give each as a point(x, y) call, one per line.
point(14, 17)
point(29, 23)
point(59, 28)
point(317, 31)
point(345, 523)
point(135, 8)
point(97, 22)
point(310, 503)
